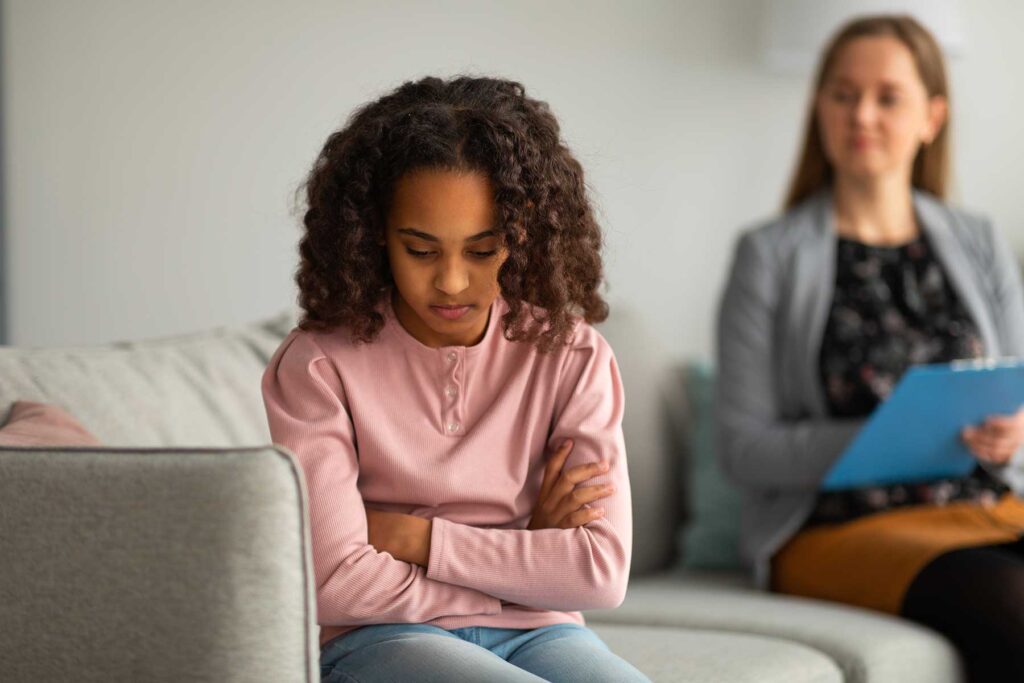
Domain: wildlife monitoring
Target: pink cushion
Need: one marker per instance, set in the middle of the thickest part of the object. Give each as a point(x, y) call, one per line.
point(42, 424)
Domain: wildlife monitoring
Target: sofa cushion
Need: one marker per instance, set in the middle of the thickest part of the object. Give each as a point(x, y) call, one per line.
point(193, 390)
point(711, 536)
point(42, 424)
point(677, 654)
point(867, 646)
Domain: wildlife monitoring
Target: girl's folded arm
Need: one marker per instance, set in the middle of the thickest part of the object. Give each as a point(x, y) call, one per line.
point(307, 412)
point(585, 567)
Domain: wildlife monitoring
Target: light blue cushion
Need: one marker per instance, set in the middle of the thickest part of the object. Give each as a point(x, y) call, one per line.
point(710, 539)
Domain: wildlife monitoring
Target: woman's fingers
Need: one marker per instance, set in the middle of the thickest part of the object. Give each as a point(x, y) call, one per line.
point(986, 447)
point(581, 517)
point(580, 496)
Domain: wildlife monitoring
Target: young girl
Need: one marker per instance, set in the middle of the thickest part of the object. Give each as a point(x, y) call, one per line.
point(457, 422)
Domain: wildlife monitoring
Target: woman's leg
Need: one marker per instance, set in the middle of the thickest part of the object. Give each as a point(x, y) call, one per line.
point(566, 653)
point(975, 597)
point(398, 653)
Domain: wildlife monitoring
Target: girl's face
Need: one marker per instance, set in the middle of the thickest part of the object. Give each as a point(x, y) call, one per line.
point(874, 111)
point(444, 255)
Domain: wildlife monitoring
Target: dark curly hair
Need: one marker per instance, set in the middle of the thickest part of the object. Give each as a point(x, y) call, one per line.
point(487, 125)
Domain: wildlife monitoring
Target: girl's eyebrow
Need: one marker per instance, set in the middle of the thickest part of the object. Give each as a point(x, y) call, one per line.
point(426, 236)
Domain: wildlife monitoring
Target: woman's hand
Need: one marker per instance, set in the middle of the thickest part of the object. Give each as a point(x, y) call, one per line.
point(404, 537)
point(996, 439)
point(561, 503)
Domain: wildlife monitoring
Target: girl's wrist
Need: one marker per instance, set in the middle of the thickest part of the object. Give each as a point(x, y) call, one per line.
point(417, 541)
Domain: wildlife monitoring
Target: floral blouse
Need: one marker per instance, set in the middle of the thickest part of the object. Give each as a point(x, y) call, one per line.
point(893, 307)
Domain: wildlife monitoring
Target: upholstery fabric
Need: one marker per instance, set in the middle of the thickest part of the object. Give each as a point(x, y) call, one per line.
point(678, 654)
point(199, 390)
point(654, 448)
point(166, 565)
point(868, 647)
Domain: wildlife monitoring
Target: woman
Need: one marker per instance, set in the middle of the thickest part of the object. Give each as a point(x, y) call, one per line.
point(449, 271)
point(868, 272)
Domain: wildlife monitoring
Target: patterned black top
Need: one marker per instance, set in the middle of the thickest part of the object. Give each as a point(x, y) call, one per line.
point(892, 308)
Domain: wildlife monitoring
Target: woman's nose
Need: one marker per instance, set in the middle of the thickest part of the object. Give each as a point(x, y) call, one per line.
point(864, 110)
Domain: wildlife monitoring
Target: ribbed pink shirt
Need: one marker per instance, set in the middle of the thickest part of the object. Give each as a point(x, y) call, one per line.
point(458, 435)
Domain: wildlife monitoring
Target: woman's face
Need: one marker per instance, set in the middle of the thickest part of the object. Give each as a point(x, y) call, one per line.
point(874, 111)
point(444, 254)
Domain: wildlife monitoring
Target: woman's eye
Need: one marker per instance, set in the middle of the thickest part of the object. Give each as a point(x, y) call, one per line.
point(843, 96)
point(417, 253)
point(484, 254)
point(888, 100)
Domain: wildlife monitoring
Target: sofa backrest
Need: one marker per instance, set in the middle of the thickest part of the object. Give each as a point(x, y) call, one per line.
point(203, 390)
point(655, 425)
point(200, 390)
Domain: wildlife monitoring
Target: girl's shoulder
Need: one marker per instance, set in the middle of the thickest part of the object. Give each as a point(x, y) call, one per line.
point(304, 346)
point(581, 335)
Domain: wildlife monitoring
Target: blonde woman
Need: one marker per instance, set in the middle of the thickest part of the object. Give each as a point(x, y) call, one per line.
point(868, 272)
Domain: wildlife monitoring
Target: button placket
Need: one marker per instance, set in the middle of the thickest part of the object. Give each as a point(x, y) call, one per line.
point(451, 394)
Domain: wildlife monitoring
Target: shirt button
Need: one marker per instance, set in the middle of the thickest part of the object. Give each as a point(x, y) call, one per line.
point(452, 356)
point(453, 427)
point(450, 391)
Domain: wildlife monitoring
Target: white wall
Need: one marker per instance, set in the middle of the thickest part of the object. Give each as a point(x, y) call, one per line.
point(153, 148)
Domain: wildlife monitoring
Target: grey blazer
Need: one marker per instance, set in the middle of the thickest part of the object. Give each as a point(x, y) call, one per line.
point(775, 438)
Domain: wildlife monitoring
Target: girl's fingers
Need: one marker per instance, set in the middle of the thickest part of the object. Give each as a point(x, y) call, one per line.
point(567, 482)
point(581, 517)
point(581, 496)
point(554, 468)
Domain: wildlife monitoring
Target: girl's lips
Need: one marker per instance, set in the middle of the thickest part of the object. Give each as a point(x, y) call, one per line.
point(450, 312)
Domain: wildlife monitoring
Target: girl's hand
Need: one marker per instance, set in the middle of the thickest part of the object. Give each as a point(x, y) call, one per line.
point(996, 439)
point(560, 504)
point(404, 537)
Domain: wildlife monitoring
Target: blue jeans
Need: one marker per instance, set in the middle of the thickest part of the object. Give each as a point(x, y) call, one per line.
point(397, 653)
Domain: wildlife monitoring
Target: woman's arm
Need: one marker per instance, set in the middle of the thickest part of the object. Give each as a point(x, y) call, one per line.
point(757, 448)
point(307, 412)
point(579, 568)
point(997, 442)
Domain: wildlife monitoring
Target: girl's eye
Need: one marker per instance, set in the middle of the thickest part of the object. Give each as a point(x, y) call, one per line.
point(888, 100)
point(484, 254)
point(416, 253)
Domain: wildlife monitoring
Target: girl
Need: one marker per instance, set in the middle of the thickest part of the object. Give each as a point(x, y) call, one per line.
point(449, 272)
point(868, 272)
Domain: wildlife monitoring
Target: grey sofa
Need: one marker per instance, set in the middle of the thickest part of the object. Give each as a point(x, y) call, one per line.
point(180, 550)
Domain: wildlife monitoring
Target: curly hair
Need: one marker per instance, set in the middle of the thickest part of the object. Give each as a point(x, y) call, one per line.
point(486, 125)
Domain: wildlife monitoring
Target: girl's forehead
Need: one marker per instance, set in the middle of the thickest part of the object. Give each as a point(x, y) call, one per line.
point(447, 205)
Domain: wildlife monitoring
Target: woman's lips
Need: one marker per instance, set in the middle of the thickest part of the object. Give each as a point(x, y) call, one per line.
point(451, 312)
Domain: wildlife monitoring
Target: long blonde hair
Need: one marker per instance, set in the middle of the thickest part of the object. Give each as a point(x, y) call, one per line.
point(931, 165)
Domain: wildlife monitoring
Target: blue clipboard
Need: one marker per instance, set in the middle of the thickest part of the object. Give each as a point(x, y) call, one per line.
point(914, 435)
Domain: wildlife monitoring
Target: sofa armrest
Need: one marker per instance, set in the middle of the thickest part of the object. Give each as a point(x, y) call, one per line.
point(156, 565)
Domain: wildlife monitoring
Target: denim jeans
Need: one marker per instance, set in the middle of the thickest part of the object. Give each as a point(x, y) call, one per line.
point(398, 653)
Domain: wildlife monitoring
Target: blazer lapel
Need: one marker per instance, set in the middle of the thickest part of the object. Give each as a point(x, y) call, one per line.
point(814, 274)
point(936, 223)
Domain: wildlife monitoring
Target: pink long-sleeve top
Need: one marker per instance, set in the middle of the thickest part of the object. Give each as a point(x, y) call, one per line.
point(458, 435)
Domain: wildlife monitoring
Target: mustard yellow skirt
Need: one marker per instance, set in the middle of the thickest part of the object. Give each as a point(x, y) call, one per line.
point(871, 561)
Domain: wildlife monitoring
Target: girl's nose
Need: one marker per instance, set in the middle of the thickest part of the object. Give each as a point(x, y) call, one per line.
point(452, 277)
